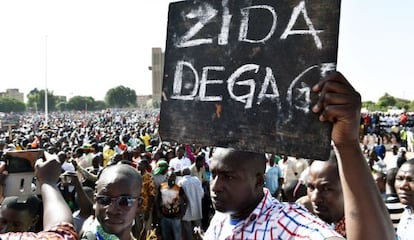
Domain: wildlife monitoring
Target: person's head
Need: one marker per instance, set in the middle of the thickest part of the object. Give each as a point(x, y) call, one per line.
point(117, 198)
point(404, 183)
point(112, 143)
point(200, 160)
point(171, 178)
point(97, 160)
point(325, 191)
point(136, 151)
point(394, 149)
point(143, 165)
point(391, 173)
point(186, 171)
point(78, 153)
point(380, 180)
point(19, 216)
point(271, 161)
point(62, 157)
point(161, 167)
point(170, 154)
point(179, 151)
point(237, 180)
point(402, 151)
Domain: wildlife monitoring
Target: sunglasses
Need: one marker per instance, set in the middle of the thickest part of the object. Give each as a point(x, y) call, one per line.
point(121, 201)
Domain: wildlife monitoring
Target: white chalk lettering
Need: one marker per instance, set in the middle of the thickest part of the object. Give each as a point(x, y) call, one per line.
point(302, 100)
point(297, 96)
point(327, 68)
point(223, 37)
point(246, 98)
point(205, 81)
point(244, 25)
point(178, 81)
point(300, 8)
point(204, 13)
point(269, 79)
point(292, 85)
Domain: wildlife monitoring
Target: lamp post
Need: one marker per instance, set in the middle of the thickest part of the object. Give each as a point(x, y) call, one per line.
point(46, 105)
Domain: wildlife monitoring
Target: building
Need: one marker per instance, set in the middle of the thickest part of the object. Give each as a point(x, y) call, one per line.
point(142, 101)
point(12, 93)
point(157, 68)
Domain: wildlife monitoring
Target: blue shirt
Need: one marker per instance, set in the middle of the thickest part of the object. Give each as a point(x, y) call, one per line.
point(272, 176)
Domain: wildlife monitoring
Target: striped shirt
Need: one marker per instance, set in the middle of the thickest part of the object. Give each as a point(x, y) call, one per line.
point(395, 208)
point(270, 220)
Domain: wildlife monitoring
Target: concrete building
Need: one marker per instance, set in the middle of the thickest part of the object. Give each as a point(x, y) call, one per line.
point(143, 100)
point(157, 68)
point(12, 93)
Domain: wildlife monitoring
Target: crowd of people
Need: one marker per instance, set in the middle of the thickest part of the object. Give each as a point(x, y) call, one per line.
point(390, 128)
point(108, 175)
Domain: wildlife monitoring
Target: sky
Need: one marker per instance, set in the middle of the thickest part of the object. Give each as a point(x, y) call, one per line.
point(86, 47)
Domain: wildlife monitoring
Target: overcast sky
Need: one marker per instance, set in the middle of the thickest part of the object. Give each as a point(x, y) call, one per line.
point(95, 45)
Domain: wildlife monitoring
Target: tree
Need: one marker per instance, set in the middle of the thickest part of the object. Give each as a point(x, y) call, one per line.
point(121, 97)
point(403, 103)
point(99, 105)
point(36, 100)
point(80, 103)
point(387, 101)
point(370, 105)
point(11, 105)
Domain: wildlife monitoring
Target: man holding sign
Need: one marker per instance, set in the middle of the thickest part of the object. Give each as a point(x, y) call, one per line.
point(242, 70)
point(244, 210)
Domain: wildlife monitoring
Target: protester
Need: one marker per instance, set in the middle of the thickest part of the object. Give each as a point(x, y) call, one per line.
point(288, 167)
point(19, 215)
point(172, 204)
point(143, 220)
point(117, 199)
point(246, 210)
point(194, 213)
point(404, 184)
point(57, 217)
point(273, 178)
point(180, 161)
point(394, 206)
point(84, 198)
point(325, 193)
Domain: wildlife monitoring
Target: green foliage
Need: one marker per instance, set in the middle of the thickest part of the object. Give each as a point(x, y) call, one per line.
point(387, 101)
point(85, 104)
point(99, 105)
point(121, 97)
point(36, 100)
point(11, 105)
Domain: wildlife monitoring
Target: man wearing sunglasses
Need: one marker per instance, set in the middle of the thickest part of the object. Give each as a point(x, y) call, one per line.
point(117, 199)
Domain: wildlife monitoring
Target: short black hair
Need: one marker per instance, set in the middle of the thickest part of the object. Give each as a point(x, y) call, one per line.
point(32, 204)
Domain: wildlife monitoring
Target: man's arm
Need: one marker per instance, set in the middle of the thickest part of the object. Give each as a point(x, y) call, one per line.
point(55, 208)
point(85, 203)
point(340, 104)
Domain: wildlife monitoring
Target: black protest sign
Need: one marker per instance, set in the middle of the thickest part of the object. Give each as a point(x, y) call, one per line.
point(238, 73)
